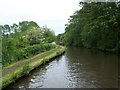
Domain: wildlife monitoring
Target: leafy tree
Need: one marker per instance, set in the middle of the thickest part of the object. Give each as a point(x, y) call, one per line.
point(15, 28)
point(60, 39)
point(35, 36)
point(49, 35)
point(24, 40)
point(96, 25)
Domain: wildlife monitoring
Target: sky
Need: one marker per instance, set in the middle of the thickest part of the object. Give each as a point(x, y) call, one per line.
point(51, 13)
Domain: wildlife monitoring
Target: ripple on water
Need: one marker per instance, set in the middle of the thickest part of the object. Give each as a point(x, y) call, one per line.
point(77, 68)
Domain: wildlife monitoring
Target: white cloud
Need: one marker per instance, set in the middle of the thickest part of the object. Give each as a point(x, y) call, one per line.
point(54, 13)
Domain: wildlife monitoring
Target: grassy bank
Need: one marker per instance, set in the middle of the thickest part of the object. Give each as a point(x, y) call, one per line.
point(22, 68)
point(24, 53)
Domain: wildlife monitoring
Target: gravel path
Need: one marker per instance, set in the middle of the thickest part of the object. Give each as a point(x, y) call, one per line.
point(30, 60)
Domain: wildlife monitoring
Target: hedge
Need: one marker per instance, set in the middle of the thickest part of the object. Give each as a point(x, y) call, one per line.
point(25, 53)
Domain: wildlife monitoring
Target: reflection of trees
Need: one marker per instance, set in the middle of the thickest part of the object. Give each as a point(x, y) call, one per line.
point(91, 68)
point(85, 68)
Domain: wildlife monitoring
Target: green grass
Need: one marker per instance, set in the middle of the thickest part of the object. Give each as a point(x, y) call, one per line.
point(25, 69)
point(9, 78)
point(25, 60)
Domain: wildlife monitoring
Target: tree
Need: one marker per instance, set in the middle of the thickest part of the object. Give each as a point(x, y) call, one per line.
point(96, 25)
point(60, 39)
point(15, 28)
point(35, 36)
point(49, 35)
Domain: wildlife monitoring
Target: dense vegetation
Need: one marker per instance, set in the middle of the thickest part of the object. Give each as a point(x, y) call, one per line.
point(96, 25)
point(24, 40)
point(60, 39)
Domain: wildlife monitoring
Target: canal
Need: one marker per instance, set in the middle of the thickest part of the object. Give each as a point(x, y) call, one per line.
point(77, 68)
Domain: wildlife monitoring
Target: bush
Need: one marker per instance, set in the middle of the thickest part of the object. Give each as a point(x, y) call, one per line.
point(26, 69)
point(26, 52)
point(45, 60)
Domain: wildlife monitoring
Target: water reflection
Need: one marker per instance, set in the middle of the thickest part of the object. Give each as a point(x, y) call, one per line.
point(95, 68)
point(77, 68)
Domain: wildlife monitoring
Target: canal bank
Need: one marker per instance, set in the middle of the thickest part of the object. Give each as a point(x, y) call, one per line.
point(77, 68)
point(19, 69)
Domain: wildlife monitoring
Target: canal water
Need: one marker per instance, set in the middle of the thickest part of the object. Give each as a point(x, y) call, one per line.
point(77, 68)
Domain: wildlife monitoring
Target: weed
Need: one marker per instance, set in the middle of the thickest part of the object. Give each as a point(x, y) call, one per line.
point(26, 69)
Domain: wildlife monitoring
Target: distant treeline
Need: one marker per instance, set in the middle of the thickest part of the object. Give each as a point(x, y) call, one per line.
point(24, 40)
point(96, 25)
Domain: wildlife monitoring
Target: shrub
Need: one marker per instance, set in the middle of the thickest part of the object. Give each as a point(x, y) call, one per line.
point(26, 52)
point(26, 69)
point(45, 60)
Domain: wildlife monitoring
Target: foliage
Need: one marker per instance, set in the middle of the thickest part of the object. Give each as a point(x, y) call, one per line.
point(45, 60)
point(48, 35)
point(96, 25)
point(60, 39)
point(26, 69)
point(24, 40)
point(9, 78)
point(35, 36)
point(15, 55)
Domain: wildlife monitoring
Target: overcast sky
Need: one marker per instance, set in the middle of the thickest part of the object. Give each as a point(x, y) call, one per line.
point(53, 13)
